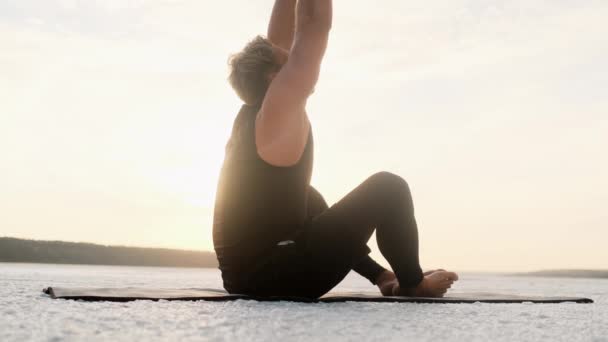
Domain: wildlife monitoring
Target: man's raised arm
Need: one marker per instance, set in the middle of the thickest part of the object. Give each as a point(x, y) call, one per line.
point(282, 125)
point(295, 82)
point(282, 23)
point(313, 23)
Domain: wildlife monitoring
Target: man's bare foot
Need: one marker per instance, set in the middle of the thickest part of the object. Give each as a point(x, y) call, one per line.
point(386, 281)
point(389, 286)
point(434, 284)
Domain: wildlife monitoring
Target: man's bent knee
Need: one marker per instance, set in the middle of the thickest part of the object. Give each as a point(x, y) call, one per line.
point(392, 189)
point(389, 180)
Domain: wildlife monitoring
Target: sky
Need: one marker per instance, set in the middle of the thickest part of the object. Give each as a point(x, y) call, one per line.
point(114, 116)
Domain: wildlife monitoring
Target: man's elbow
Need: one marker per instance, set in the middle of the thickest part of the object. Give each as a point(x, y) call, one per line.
point(316, 14)
point(322, 20)
point(325, 13)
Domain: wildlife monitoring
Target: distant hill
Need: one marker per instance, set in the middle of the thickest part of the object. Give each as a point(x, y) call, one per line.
point(567, 274)
point(58, 252)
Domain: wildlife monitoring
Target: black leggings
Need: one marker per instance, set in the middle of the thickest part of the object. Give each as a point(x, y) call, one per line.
point(335, 241)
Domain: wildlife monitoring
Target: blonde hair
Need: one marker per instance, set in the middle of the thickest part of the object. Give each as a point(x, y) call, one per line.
point(249, 70)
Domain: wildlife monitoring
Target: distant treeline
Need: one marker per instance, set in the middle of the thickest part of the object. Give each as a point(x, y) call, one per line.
point(58, 252)
point(568, 274)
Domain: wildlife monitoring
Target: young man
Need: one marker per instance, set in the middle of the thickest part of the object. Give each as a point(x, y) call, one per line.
point(273, 233)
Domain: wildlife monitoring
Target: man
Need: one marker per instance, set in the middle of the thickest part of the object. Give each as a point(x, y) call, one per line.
point(273, 233)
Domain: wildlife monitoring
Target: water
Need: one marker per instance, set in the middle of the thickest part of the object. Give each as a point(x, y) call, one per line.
point(27, 314)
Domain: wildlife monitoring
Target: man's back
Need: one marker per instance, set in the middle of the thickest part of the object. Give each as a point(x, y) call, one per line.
point(257, 204)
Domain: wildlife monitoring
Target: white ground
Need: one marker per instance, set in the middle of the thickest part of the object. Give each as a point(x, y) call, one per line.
point(26, 314)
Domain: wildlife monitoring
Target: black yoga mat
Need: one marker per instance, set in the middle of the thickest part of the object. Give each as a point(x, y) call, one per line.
point(131, 294)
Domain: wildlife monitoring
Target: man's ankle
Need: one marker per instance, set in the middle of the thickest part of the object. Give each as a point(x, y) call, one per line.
point(385, 276)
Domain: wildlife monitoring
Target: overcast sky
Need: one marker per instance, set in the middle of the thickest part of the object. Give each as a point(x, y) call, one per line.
point(114, 116)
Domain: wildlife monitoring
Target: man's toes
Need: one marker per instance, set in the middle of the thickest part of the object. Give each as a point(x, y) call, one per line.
point(442, 276)
point(445, 286)
point(450, 276)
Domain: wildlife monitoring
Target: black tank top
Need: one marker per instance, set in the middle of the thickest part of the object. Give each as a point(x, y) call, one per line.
point(257, 204)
